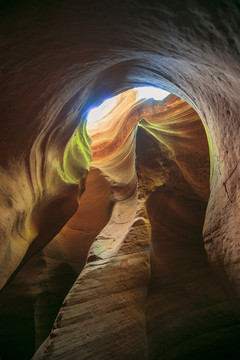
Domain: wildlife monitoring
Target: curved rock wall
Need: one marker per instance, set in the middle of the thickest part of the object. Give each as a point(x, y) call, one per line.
point(61, 57)
point(42, 283)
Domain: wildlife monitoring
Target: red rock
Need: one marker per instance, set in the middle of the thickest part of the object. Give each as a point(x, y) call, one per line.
point(139, 295)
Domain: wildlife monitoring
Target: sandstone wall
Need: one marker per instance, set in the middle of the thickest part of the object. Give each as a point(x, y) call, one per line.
point(61, 57)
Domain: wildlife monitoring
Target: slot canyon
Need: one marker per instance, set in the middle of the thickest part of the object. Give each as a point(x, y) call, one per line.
point(119, 237)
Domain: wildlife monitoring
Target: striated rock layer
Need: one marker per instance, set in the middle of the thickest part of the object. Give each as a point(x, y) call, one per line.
point(58, 59)
point(173, 178)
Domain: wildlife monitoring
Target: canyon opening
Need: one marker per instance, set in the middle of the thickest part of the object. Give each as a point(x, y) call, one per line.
point(119, 226)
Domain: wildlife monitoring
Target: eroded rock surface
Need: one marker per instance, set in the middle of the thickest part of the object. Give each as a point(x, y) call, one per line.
point(58, 59)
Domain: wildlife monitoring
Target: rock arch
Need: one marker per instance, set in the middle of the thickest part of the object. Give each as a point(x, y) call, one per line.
point(58, 59)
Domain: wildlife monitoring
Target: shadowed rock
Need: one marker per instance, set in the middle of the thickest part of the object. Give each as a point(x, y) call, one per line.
point(58, 59)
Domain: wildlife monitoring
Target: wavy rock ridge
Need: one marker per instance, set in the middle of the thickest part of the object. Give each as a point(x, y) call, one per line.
point(146, 269)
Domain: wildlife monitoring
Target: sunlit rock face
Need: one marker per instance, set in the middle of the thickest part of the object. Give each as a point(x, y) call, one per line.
point(112, 293)
point(147, 289)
